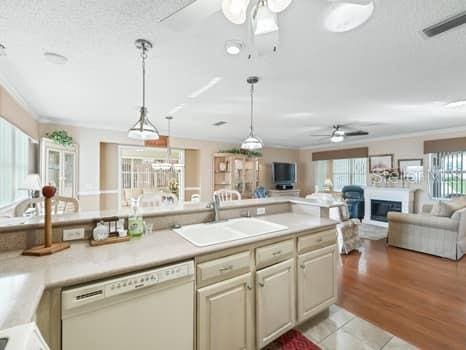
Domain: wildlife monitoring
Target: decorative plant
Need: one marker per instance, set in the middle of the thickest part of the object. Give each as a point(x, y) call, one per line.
point(173, 187)
point(243, 152)
point(61, 137)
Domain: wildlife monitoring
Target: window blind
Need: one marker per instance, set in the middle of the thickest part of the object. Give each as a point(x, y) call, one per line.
point(447, 174)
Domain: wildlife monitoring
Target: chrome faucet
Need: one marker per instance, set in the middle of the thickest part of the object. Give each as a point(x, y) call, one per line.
point(215, 204)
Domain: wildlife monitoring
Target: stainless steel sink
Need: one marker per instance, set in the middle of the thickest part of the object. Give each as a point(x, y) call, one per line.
point(220, 232)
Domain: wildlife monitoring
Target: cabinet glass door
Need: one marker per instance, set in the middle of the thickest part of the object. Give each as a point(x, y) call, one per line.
point(53, 168)
point(68, 175)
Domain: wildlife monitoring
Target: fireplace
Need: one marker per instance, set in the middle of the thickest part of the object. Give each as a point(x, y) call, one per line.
point(380, 209)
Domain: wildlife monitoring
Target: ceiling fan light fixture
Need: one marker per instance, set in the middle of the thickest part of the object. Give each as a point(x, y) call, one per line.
point(346, 16)
point(264, 21)
point(235, 10)
point(337, 138)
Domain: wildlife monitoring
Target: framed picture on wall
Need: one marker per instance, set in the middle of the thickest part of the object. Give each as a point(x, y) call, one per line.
point(411, 169)
point(380, 162)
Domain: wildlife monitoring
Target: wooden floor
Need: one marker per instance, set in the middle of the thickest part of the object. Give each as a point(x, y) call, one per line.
point(417, 297)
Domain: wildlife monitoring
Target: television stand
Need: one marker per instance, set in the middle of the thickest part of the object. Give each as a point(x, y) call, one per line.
point(283, 193)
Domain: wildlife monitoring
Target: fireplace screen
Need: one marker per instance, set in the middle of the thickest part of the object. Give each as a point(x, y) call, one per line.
point(380, 209)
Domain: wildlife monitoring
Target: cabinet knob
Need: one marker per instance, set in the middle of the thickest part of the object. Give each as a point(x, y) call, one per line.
point(278, 252)
point(226, 268)
point(302, 266)
point(260, 284)
point(248, 287)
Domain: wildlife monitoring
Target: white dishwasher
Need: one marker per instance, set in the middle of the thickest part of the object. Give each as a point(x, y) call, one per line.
point(152, 310)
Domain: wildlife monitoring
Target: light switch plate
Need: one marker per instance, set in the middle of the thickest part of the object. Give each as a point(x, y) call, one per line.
point(73, 233)
point(260, 211)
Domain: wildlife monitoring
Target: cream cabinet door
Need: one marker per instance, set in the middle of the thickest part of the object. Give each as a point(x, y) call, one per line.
point(275, 294)
point(317, 287)
point(225, 315)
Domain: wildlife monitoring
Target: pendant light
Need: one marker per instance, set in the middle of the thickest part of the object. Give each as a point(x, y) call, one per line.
point(143, 129)
point(168, 164)
point(252, 142)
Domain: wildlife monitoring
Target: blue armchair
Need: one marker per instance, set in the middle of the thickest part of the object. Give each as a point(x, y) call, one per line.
point(354, 197)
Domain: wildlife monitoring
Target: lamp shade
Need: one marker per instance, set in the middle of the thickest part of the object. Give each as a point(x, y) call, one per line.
point(143, 129)
point(31, 183)
point(265, 21)
point(252, 143)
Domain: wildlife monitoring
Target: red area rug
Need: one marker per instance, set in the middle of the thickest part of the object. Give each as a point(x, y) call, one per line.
point(294, 340)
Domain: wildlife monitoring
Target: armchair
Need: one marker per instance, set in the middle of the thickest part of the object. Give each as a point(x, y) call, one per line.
point(354, 197)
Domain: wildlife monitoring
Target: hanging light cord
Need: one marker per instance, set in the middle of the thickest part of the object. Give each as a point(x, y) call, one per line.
point(252, 109)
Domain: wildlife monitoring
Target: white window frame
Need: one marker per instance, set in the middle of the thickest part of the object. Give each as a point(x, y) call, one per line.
point(438, 175)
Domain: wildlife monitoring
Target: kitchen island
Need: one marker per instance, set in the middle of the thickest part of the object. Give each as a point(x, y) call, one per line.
point(30, 286)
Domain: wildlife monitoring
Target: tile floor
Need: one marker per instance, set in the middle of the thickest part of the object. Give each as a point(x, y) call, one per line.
point(339, 329)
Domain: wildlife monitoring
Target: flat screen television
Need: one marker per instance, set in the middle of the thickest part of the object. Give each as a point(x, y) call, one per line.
point(284, 174)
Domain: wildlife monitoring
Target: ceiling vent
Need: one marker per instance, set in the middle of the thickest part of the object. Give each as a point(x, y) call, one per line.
point(445, 25)
point(220, 123)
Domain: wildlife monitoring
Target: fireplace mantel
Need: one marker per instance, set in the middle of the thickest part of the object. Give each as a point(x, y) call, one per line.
point(398, 194)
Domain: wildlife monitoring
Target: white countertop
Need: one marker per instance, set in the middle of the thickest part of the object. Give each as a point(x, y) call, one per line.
point(23, 279)
point(21, 224)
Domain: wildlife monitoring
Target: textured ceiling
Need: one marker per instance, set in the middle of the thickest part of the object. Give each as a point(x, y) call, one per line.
point(385, 75)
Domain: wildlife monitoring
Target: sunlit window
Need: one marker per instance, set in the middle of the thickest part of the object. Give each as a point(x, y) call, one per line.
point(14, 162)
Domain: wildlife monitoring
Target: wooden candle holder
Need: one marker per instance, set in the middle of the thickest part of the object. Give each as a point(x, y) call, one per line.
point(48, 247)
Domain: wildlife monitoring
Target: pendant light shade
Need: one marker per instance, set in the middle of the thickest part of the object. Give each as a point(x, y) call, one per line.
point(143, 129)
point(252, 142)
point(278, 5)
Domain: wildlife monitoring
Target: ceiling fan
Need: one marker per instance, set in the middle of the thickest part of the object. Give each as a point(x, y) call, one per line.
point(338, 134)
point(445, 25)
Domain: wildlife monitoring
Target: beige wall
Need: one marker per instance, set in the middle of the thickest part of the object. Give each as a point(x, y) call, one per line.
point(12, 111)
point(89, 141)
point(402, 148)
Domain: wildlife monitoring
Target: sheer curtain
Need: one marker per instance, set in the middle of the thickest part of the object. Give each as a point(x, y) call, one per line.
point(14, 162)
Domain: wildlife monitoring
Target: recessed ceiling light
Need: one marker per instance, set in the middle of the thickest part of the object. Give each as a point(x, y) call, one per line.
point(2, 50)
point(206, 87)
point(456, 104)
point(346, 16)
point(55, 58)
point(233, 47)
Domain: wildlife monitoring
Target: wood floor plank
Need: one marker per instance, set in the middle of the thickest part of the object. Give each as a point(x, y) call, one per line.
point(417, 297)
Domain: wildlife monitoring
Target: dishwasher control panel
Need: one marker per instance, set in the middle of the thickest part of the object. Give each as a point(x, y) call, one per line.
point(83, 295)
point(148, 278)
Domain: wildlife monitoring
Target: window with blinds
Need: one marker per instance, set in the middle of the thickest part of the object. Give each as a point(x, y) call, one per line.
point(14, 162)
point(342, 172)
point(447, 174)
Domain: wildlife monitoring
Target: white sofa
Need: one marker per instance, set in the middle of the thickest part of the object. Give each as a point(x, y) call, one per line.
point(443, 236)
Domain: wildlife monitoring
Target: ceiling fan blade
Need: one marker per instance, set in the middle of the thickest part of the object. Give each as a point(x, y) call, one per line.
point(357, 133)
point(445, 25)
point(278, 5)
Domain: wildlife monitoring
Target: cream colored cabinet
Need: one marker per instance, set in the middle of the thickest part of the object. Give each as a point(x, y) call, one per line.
point(317, 287)
point(225, 315)
point(275, 301)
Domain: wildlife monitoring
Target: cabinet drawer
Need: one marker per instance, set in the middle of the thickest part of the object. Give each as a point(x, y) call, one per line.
point(274, 253)
point(220, 269)
point(317, 240)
